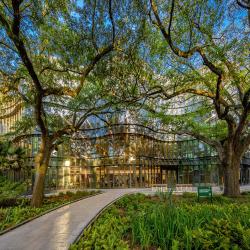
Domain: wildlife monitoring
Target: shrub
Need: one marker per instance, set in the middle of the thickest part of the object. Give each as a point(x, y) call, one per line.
point(140, 222)
point(110, 228)
point(245, 193)
point(9, 189)
point(167, 226)
point(222, 234)
point(16, 210)
point(8, 202)
point(69, 193)
point(61, 194)
point(189, 195)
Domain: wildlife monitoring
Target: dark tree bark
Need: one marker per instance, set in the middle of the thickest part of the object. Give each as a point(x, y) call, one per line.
point(41, 164)
point(231, 170)
point(231, 177)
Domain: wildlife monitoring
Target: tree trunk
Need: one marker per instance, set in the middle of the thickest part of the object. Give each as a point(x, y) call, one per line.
point(231, 176)
point(41, 164)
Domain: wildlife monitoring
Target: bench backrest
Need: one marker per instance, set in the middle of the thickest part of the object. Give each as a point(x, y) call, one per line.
point(204, 191)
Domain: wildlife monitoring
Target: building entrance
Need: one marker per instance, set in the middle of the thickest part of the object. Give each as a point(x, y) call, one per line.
point(168, 177)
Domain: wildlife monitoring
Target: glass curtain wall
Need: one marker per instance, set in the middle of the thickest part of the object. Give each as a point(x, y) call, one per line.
point(121, 158)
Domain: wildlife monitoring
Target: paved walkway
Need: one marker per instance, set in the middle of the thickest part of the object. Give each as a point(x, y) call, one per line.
point(58, 229)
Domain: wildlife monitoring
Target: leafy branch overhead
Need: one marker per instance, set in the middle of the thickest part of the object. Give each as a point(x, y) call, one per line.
point(58, 56)
point(181, 64)
point(212, 65)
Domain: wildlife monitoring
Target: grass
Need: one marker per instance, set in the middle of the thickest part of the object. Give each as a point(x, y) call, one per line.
point(177, 222)
point(13, 213)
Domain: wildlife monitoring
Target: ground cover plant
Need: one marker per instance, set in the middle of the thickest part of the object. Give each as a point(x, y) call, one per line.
point(16, 210)
point(11, 189)
point(144, 222)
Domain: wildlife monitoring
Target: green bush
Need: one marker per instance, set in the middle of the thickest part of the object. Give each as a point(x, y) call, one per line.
point(106, 233)
point(222, 234)
point(15, 215)
point(165, 226)
point(61, 194)
point(189, 195)
point(18, 210)
point(245, 193)
point(140, 222)
point(69, 193)
point(9, 189)
point(8, 202)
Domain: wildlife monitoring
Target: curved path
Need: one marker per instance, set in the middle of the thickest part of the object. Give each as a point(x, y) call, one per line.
point(59, 228)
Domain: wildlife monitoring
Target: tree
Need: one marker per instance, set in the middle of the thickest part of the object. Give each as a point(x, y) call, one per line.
point(201, 62)
point(56, 56)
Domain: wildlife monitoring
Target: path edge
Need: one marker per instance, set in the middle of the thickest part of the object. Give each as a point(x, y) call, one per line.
point(44, 213)
point(90, 223)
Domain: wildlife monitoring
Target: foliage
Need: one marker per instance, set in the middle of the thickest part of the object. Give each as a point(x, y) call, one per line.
point(199, 54)
point(169, 225)
point(109, 222)
point(142, 222)
point(9, 189)
point(166, 196)
point(222, 234)
point(57, 58)
point(14, 215)
point(185, 82)
point(11, 156)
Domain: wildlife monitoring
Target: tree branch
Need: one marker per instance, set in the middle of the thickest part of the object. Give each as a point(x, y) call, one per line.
point(59, 91)
point(112, 21)
point(103, 52)
point(159, 90)
point(244, 146)
point(167, 35)
point(222, 114)
point(93, 28)
point(14, 35)
point(15, 110)
point(200, 137)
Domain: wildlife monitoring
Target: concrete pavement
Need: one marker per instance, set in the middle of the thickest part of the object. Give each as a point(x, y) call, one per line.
point(58, 229)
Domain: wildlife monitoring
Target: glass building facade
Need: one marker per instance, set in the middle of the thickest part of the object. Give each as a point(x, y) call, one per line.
point(123, 155)
point(126, 156)
point(10, 113)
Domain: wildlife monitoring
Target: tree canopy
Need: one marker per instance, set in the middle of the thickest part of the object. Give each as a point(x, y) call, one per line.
point(199, 53)
point(183, 63)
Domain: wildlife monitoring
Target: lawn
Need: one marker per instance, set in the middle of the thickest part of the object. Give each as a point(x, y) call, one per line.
point(15, 209)
point(158, 222)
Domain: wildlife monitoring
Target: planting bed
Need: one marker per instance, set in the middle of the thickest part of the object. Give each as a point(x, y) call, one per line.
point(14, 211)
point(177, 222)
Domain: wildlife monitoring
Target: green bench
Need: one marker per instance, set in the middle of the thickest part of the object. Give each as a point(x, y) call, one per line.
point(205, 191)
